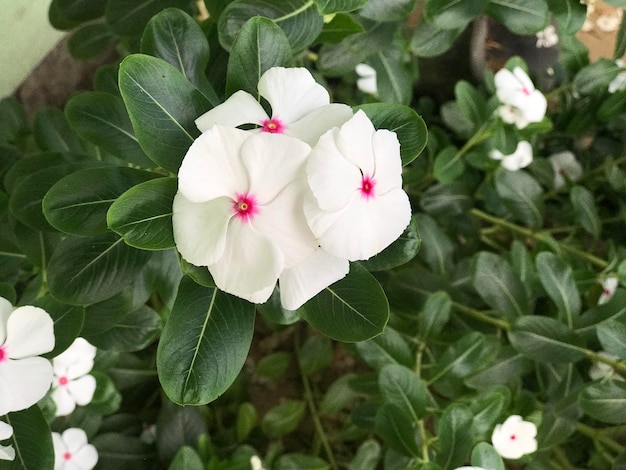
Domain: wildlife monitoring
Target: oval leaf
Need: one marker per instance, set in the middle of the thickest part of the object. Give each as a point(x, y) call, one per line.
point(557, 279)
point(31, 440)
point(605, 401)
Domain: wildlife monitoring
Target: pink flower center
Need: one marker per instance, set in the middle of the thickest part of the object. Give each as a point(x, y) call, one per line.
point(367, 186)
point(245, 207)
point(526, 91)
point(67, 456)
point(3, 354)
point(513, 437)
point(606, 292)
point(63, 381)
point(272, 126)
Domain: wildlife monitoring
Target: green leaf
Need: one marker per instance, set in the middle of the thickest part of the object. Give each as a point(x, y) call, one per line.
point(388, 348)
point(402, 387)
point(455, 443)
point(81, 10)
point(68, 322)
point(605, 401)
point(129, 19)
point(135, 331)
point(299, 19)
point(446, 199)
point(485, 456)
point(122, 451)
point(401, 251)
point(558, 281)
point(394, 75)
point(178, 426)
point(471, 103)
point(53, 133)
point(397, 429)
point(367, 456)
point(435, 314)
point(247, 417)
point(259, 46)
point(387, 10)
point(612, 337)
point(620, 40)
point(87, 270)
point(509, 367)
point(569, 15)
point(204, 343)
point(613, 309)
point(436, 248)
point(499, 286)
point(78, 203)
point(143, 214)
point(315, 354)
point(175, 37)
point(453, 14)
point(13, 122)
point(187, 458)
point(405, 122)
point(341, 26)
point(448, 165)
point(429, 41)
point(31, 440)
point(350, 310)
point(586, 210)
point(522, 195)
point(520, 16)
point(300, 461)
point(326, 7)
point(456, 120)
point(545, 340)
point(162, 106)
point(90, 40)
point(101, 118)
point(283, 418)
point(595, 77)
point(273, 366)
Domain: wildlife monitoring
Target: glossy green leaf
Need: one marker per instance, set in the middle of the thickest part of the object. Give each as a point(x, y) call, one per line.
point(299, 19)
point(455, 443)
point(454, 118)
point(81, 10)
point(53, 133)
point(350, 310)
point(341, 26)
point(283, 418)
point(178, 426)
point(612, 337)
point(586, 211)
point(545, 339)
point(453, 15)
point(31, 440)
point(274, 365)
point(135, 331)
point(405, 122)
point(437, 248)
point(620, 40)
point(605, 401)
point(394, 75)
point(569, 15)
point(367, 456)
point(613, 309)
point(522, 195)
point(595, 77)
point(247, 417)
point(387, 10)
point(435, 314)
point(326, 7)
point(520, 16)
point(488, 409)
point(499, 286)
point(30, 164)
point(129, 19)
point(471, 103)
point(175, 37)
point(87, 270)
point(448, 165)
point(187, 458)
point(397, 429)
point(388, 348)
point(299, 461)
point(116, 450)
point(446, 199)
point(162, 106)
point(557, 279)
point(36, 245)
point(508, 367)
point(13, 122)
point(68, 322)
point(204, 343)
point(259, 46)
point(143, 214)
point(78, 203)
point(485, 456)
point(430, 41)
point(402, 387)
point(90, 40)
point(101, 118)
point(401, 251)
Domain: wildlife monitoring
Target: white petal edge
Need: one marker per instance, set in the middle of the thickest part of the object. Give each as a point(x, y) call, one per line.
point(240, 108)
point(312, 126)
point(7, 453)
point(354, 142)
point(63, 400)
point(23, 383)
point(6, 430)
point(82, 390)
point(30, 332)
point(5, 310)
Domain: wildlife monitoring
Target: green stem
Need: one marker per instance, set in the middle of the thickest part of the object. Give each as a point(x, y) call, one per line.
point(424, 441)
point(478, 315)
point(595, 435)
point(541, 237)
point(296, 12)
point(593, 356)
point(484, 132)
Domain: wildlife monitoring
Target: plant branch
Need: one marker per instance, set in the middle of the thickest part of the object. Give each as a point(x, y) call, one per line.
point(596, 435)
point(478, 315)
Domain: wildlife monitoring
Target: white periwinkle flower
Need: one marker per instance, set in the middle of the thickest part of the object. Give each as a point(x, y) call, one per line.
point(565, 165)
point(238, 210)
point(609, 286)
point(600, 370)
point(72, 452)
point(548, 37)
point(619, 82)
point(366, 82)
point(6, 452)
point(357, 206)
point(514, 438)
point(521, 102)
point(71, 384)
point(300, 107)
point(256, 463)
point(520, 158)
point(25, 334)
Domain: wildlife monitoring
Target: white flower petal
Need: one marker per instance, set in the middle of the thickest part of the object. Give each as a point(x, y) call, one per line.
point(354, 141)
point(514, 438)
point(219, 147)
point(75, 361)
point(74, 439)
point(534, 107)
point(291, 92)
point(311, 127)
point(7, 453)
point(309, 277)
point(86, 457)
point(6, 430)
point(506, 84)
point(63, 400)
point(30, 332)
point(523, 79)
point(200, 228)
point(23, 383)
point(240, 108)
point(82, 390)
point(388, 173)
point(5, 310)
point(59, 450)
point(564, 164)
point(250, 265)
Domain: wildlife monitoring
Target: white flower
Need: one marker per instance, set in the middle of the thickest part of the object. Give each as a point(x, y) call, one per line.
point(6, 452)
point(520, 158)
point(367, 82)
point(547, 37)
point(608, 23)
point(522, 104)
point(300, 107)
point(565, 165)
point(256, 463)
point(71, 385)
point(619, 82)
point(514, 438)
point(357, 206)
point(470, 468)
point(72, 452)
point(609, 286)
point(25, 333)
point(600, 370)
point(238, 210)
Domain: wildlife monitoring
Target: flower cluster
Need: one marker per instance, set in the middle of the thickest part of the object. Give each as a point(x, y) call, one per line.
point(72, 451)
point(293, 200)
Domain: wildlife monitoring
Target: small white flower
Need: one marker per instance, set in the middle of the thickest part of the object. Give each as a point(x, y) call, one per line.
point(25, 334)
point(608, 23)
point(71, 385)
point(516, 90)
point(256, 463)
point(367, 82)
point(514, 438)
point(547, 37)
point(300, 107)
point(6, 452)
point(609, 286)
point(520, 158)
point(565, 165)
point(357, 206)
point(600, 370)
point(72, 452)
point(618, 83)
